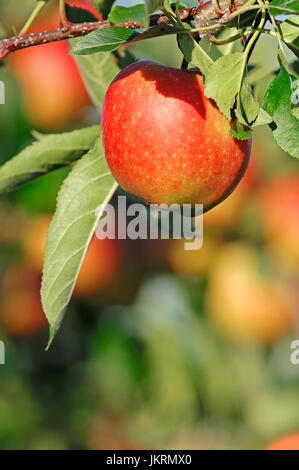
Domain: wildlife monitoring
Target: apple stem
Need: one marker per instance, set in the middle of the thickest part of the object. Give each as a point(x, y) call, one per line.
point(184, 65)
point(63, 18)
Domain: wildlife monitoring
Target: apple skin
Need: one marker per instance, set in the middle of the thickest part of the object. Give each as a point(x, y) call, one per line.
point(165, 142)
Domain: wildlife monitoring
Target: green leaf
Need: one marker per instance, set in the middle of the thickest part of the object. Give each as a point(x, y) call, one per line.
point(153, 5)
point(103, 7)
point(247, 105)
point(277, 103)
point(135, 13)
point(224, 79)
point(101, 40)
point(262, 119)
point(98, 71)
point(194, 53)
point(89, 185)
point(289, 31)
point(45, 155)
point(291, 4)
point(181, 6)
point(178, 18)
point(241, 132)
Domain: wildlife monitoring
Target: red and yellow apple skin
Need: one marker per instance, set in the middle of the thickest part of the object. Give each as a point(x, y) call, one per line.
point(165, 142)
point(53, 90)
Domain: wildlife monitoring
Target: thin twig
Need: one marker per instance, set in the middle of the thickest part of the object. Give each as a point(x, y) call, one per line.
point(75, 30)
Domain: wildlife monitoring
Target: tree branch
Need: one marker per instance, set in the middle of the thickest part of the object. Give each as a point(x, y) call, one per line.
point(204, 14)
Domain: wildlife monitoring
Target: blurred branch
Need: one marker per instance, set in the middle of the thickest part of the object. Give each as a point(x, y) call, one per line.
point(204, 14)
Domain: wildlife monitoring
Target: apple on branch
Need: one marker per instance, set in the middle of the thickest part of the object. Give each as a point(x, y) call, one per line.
point(165, 142)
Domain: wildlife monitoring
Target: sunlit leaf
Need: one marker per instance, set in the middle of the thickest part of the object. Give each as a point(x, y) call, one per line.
point(103, 40)
point(223, 81)
point(47, 154)
point(194, 54)
point(89, 185)
point(136, 13)
point(285, 126)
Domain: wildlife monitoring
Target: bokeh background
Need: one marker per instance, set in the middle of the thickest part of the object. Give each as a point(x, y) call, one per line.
point(161, 347)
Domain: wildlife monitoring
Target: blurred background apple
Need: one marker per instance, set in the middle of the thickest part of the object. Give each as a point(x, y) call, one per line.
point(52, 88)
point(290, 442)
point(278, 202)
point(21, 311)
point(245, 302)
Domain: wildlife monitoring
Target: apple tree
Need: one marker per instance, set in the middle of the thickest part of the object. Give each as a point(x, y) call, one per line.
point(217, 89)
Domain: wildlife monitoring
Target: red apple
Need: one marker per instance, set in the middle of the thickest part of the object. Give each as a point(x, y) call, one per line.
point(165, 141)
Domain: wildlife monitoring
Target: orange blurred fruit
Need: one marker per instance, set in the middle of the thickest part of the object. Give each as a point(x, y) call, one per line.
point(34, 240)
point(21, 311)
point(289, 442)
point(247, 306)
point(99, 267)
point(278, 203)
point(192, 263)
point(109, 432)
